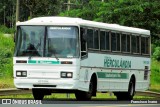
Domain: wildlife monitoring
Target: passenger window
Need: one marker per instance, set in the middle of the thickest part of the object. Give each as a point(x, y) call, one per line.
point(107, 41)
point(83, 42)
point(145, 45)
point(90, 38)
point(128, 43)
point(123, 42)
point(138, 44)
point(118, 42)
point(104, 40)
point(135, 44)
point(115, 39)
point(96, 40)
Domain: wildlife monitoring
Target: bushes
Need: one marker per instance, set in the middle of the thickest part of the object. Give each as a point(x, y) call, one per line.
point(155, 72)
point(4, 29)
point(6, 55)
point(156, 54)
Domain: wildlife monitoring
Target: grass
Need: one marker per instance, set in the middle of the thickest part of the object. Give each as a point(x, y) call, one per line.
point(155, 76)
point(6, 82)
point(6, 56)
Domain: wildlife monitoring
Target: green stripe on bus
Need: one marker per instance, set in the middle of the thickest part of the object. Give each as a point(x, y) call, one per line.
point(112, 75)
point(42, 62)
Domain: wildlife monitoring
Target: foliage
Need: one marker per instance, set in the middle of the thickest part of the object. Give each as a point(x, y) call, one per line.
point(6, 55)
point(155, 72)
point(4, 29)
point(7, 12)
point(36, 8)
point(156, 54)
point(134, 13)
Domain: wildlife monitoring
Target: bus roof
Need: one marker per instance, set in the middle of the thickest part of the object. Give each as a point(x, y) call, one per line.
point(54, 20)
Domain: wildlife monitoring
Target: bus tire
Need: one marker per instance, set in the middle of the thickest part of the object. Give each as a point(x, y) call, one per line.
point(127, 95)
point(38, 94)
point(131, 90)
point(85, 96)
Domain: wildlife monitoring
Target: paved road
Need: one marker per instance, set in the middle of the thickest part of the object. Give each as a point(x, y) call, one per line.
point(84, 104)
point(112, 105)
point(95, 103)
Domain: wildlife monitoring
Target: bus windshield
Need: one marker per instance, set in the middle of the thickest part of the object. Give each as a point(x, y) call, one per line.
point(47, 41)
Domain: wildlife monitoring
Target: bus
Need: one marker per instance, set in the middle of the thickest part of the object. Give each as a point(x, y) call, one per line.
point(72, 55)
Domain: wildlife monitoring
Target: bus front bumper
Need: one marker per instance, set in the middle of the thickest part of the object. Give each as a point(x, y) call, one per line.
point(25, 83)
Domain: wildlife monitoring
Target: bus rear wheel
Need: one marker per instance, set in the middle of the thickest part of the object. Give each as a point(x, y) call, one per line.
point(127, 95)
point(131, 90)
point(38, 94)
point(85, 96)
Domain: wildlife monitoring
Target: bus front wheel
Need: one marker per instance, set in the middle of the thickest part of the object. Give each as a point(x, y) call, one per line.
point(82, 95)
point(38, 94)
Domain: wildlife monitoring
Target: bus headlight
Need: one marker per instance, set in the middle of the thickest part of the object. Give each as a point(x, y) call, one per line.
point(18, 74)
point(69, 75)
point(66, 74)
point(21, 73)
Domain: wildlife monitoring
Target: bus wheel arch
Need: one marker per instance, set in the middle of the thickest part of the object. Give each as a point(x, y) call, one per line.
point(131, 90)
point(82, 95)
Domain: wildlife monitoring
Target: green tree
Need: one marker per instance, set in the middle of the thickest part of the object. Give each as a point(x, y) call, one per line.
point(134, 13)
point(7, 12)
point(35, 8)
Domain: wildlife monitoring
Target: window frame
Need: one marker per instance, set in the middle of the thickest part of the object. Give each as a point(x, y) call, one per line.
point(94, 29)
point(130, 36)
point(109, 34)
point(120, 52)
point(116, 40)
point(149, 46)
point(85, 31)
point(136, 35)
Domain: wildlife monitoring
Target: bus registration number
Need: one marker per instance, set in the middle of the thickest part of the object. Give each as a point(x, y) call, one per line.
point(42, 81)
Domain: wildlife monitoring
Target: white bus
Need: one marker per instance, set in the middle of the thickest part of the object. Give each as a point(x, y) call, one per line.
point(72, 55)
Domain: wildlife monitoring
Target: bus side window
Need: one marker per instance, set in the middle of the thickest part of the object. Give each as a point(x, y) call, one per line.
point(135, 44)
point(145, 48)
point(115, 41)
point(83, 42)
